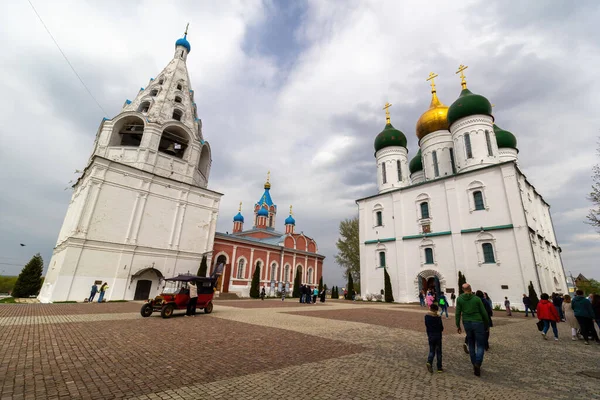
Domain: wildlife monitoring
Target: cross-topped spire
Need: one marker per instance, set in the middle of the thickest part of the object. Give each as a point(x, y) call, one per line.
point(268, 183)
point(186, 29)
point(463, 81)
point(387, 112)
point(240, 209)
point(431, 78)
point(291, 209)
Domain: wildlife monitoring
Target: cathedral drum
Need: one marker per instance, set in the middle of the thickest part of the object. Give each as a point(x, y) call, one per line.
point(176, 296)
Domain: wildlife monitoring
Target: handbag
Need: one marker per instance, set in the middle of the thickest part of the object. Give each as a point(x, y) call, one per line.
point(540, 325)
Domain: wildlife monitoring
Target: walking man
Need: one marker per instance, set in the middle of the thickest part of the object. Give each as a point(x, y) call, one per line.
point(191, 307)
point(453, 298)
point(474, 317)
point(93, 293)
point(527, 304)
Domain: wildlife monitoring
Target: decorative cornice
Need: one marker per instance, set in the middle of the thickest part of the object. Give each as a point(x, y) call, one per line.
point(380, 240)
point(456, 126)
point(487, 228)
point(424, 235)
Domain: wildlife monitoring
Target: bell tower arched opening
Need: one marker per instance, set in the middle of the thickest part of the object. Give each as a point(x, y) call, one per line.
point(127, 132)
point(174, 141)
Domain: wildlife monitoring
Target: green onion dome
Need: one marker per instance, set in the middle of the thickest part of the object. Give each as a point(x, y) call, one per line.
point(468, 104)
point(416, 164)
point(505, 139)
point(389, 136)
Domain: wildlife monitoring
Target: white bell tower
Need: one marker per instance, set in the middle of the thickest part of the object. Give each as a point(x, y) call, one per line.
point(141, 211)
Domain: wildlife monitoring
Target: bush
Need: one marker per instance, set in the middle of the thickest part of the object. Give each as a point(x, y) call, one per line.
point(254, 290)
point(497, 307)
point(533, 296)
point(203, 267)
point(7, 283)
point(461, 281)
point(296, 289)
point(320, 284)
point(350, 288)
point(389, 296)
point(29, 281)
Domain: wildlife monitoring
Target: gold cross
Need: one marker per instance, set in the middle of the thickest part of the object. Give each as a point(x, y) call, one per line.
point(268, 176)
point(290, 209)
point(240, 209)
point(432, 76)
point(186, 28)
point(387, 112)
point(463, 82)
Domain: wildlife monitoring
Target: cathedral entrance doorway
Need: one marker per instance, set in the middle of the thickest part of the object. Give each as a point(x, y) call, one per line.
point(142, 290)
point(430, 280)
point(145, 280)
point(223, 285)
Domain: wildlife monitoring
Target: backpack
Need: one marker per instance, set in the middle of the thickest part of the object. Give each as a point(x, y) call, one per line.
point(442, 302)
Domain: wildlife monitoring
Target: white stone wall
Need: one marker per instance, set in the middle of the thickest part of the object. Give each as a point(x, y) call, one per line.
point(475, 126)
point(388, 157)
point(132, 221)
point(456, 239)
point(440, 142)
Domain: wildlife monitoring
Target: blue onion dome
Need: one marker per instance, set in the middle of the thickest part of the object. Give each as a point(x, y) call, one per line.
point(389, 136)
point(263, 212)
point(416, 164)
point(184, 42)
point(238, 218)
point(468, 104)
point(290, 221)
point(505, 139)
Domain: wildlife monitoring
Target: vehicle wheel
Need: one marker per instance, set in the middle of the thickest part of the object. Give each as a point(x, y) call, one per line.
point(208, 308)
point(146, 310)
point(167, 311)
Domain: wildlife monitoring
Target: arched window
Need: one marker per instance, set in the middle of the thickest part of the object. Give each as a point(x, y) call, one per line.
point(428, 255)
point(468, 146)
point(286, 278)
point(382, 258)
point(127, 132)
point(488, 253)
point(489, 143)
point(153, 92)
point(452, 161)
point(173, 141)
point(383, 173)
point(179, 87)
point(436, 168)
point(399, 169)
point(204, 162)
point(270, 220)
point(273, 271)
point(424, 210)
point(177, 99)
point(144, 107)
point(379, 216)
point(478, 200)
point(310, 276)
point(177, 114)
point(240, 269)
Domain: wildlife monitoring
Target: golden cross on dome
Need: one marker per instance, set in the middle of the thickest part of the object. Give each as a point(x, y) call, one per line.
point(186, 28)
point(268, 176)
point(290, 209)
point(432, 76)
point(463, 82)
point(387, 112)
point(240, 209)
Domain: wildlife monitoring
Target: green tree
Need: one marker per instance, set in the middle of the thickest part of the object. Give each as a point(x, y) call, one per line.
point(7, 283)
point(461, 281)
point(203, 267)
point(350, 288)
point(533, 297)
point(320, 284)
point(590, 286)
point(334, 292)
point(29, 281)
point(254, 289)
point(593, 217)
point(348, 256)
point(325, 288)
point(296, 289)
point(389, 296)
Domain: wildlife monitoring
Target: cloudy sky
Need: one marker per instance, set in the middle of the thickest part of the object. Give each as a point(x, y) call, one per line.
point(296, 88)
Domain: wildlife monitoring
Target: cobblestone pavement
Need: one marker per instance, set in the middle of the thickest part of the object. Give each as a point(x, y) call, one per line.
point(255, 349)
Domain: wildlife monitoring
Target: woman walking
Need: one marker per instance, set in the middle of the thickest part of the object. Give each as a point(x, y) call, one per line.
point(103, 290)
point(547, 313)
point(570, 316)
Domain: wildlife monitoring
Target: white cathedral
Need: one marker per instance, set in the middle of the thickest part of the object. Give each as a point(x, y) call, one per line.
point(140, 211)
point(462, 204)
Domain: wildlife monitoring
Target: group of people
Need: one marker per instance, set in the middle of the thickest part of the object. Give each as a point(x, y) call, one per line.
point(308, 295)
point(427, 298)
point(95, 290)
point(475, 311)
point(579, 312)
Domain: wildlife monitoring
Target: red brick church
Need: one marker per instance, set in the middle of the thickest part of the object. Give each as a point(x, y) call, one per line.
point(278, 254)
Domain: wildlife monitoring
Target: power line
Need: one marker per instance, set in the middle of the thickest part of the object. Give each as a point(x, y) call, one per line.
point(66, 59)
point(17, 265)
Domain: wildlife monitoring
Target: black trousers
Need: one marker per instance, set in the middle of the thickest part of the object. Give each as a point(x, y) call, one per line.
point(191, 307)
point(587, 328)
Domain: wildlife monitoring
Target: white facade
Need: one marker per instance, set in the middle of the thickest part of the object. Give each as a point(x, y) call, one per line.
point(436, 150)
point(140, 211)
point(392, 168)
point(474, 142)
point(457, 234)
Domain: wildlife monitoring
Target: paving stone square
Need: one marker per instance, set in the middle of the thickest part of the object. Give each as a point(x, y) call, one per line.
point(252, 349)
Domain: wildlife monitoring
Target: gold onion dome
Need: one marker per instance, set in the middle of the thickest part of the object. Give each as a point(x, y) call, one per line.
point(436, 117)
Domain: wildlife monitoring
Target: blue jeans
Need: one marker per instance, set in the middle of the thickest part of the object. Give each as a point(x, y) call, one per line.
point(101, 297)
point(422, 301)
point(444, 310)
point(476, 337)
point(91, 298)
point(527, 309)
point(435, 349)
point(547, 324)
point(560, 312)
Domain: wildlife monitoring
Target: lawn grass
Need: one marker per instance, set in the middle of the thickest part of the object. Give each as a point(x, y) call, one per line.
point(8, 300)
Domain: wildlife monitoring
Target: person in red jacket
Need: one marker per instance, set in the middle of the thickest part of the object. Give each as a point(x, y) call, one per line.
point(547, 313)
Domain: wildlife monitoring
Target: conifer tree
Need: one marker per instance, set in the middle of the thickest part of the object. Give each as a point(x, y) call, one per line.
point(350, 288)
point(29, 281)
point(320, 284)
point(296, 289)
point(203, 267)
point(389, 296)
point(533, 298)
point(254, 290)
point(461, 280)
point(334, 292)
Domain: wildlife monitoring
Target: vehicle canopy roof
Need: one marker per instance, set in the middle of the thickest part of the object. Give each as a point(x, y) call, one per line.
point(189, 278)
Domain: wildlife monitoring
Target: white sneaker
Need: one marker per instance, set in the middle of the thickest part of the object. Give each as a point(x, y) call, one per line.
point(574, 338)
point(556, 339)
point(544, 336)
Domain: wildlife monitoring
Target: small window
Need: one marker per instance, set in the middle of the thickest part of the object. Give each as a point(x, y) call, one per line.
point(489, 143)
point(240, 269)
point(153, 92)
point(399, 169)
point(383, 173)
point(428, 256)
point(452, 161)
point(271, 220)
point(478, 199)
point(488, 253)
point(436, 168)
point(382, 258)
point(287, 273)
point(424, 210)
point(504, 287)
point(177, 114)
point(160, 81)
point(179, 87)
point(177, 99)
point(468, 145)
point(379, 218)
point(144, 107)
